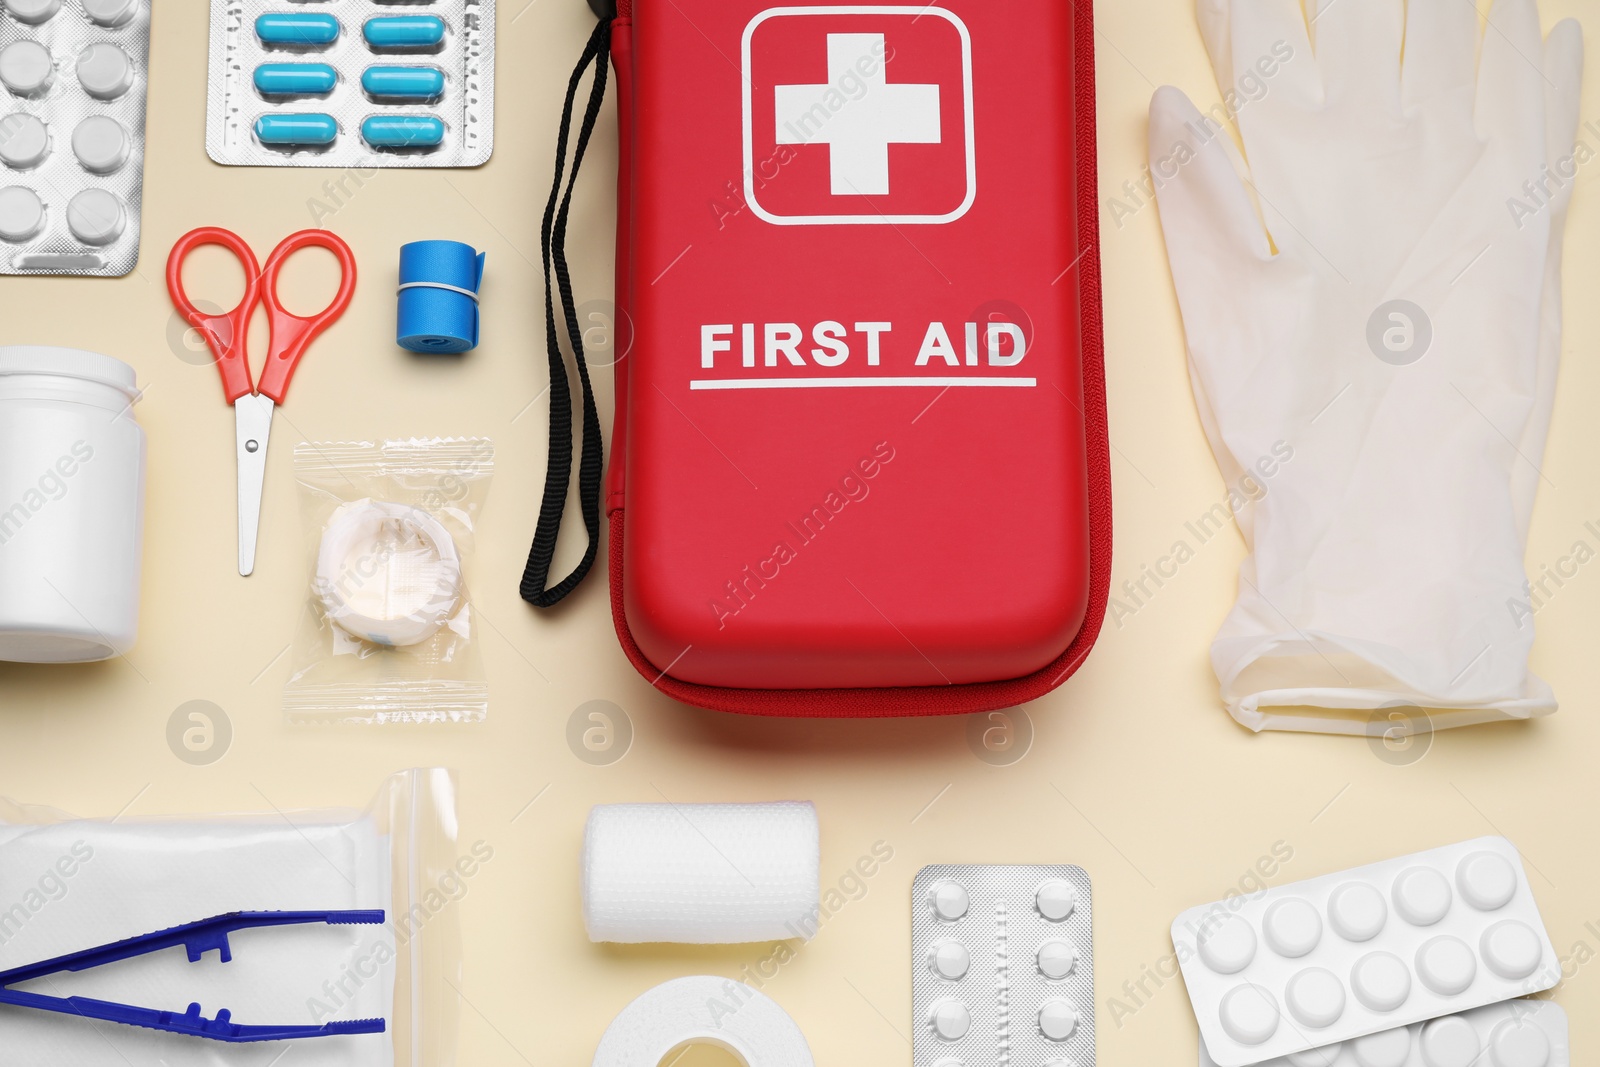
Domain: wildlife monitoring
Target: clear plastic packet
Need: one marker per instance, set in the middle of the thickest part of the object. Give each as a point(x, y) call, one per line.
point(389, 634)
point(69, 884)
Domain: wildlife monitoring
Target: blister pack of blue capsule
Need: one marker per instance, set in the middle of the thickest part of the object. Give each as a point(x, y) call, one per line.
point(351, 83)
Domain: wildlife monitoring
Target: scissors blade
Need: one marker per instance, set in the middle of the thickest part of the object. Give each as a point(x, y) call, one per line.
point(253, 415)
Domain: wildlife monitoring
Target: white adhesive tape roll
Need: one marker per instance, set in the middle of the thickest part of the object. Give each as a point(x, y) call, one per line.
point(703, 1010)
point(388, 573)
point(701, 874)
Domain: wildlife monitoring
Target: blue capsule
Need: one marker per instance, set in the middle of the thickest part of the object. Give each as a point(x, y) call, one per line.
point(297, 30)
point(309, 130)
point(404, 32)
point(403, 83)
point(295, 79)
point(402, 131)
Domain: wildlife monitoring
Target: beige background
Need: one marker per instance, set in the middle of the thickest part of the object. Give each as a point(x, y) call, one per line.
point(1135, 772)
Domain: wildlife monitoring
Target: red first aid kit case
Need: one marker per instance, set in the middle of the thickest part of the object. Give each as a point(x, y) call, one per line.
point(860, 458)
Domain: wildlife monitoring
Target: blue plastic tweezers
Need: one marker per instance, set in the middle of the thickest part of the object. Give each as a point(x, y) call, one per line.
point(197, 938)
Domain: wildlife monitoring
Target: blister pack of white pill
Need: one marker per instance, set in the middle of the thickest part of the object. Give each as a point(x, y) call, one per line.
point(72, 103)
point(1002, 965)
point(1518, 1033)
point(1336, 958)
point(351, 83)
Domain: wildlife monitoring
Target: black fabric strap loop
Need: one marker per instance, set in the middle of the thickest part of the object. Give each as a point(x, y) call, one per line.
point(535, 587)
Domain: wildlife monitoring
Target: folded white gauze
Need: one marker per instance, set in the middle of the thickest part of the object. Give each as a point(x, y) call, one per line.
point(1373, 313)
point(701, 874)
point(76, 885)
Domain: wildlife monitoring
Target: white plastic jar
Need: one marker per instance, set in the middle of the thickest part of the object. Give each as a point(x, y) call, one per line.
point(72, 461)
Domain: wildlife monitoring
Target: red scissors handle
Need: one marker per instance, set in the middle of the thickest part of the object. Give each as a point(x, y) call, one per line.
point(291, 334)
point(227, 334)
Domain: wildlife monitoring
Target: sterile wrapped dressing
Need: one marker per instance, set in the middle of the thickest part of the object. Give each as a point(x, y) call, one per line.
point(390, 633)
point(374, 967)
point(102, 882)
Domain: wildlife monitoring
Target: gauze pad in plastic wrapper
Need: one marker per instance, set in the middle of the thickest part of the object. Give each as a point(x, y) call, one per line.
point(701, 874)
point(389, 634)
point(69, 884)
point(72, 118)
point(354, 84)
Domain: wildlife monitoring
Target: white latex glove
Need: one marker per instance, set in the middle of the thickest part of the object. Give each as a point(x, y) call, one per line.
point(1388, 551)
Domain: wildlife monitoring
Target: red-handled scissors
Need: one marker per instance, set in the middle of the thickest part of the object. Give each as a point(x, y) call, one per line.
point(228, 337)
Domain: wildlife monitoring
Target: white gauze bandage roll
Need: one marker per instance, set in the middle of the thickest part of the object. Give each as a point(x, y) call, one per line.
point(388, 573)
point(701, 874)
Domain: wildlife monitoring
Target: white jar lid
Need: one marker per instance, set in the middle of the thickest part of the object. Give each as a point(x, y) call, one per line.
point(70, 363)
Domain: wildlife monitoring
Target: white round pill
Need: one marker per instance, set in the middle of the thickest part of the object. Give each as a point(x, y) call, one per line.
point(1228, 947)
point(949, 900)
point(26, 68)
point(1446, 965)
point(1357, 912)
point(1519, 1043)
point(1315, 998)
point(1058, 1019)
point(1249, 1014)
point(1511, 949)
point(1487, 881)
point(34, 11)
point(1381, 981)
point(1057, 959)
point(96, 217)
point(1450, 1042)
point(949, 959)
point(110, 12)
point(1422, 896)
point(1325, 1056)
point(21, 213)
point(24, 140)
point(100, 143)
point(1389, 1048)
point(105, 71)
point(1056, 900)
point(1293, 927)
point(950, 1019)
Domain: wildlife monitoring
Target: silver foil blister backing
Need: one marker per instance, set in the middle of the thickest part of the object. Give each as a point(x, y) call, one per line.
point(1003, 990)
point(68, 35)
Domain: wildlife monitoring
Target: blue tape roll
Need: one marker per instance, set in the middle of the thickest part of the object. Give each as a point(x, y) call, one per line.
point(436, 312)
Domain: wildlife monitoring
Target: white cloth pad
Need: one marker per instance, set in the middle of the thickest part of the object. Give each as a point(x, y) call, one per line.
point(76, 885)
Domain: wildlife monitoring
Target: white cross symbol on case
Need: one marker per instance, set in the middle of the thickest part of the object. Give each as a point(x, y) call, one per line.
point(875, 115)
